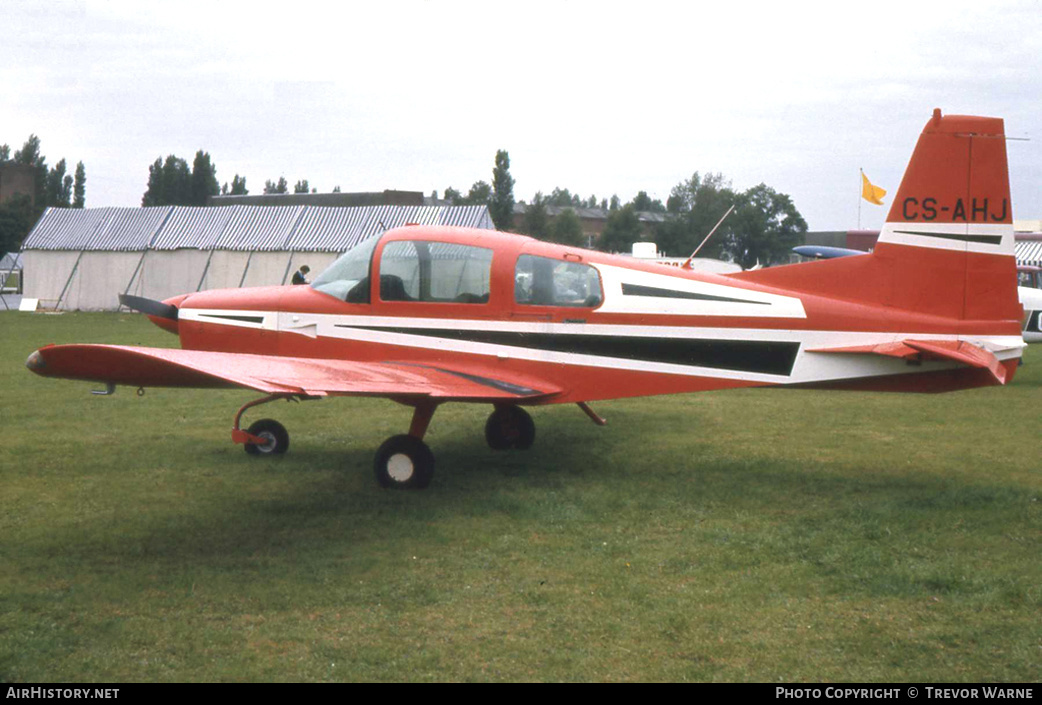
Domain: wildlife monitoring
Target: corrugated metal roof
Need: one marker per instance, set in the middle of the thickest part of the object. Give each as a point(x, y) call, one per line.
point(193, 228)
point(243, 228)
point(331, 229)
point(1029, 252)
point(65, 228)
point(128, 229)
point(465, 217)
point(339, 229)
point(259, 228)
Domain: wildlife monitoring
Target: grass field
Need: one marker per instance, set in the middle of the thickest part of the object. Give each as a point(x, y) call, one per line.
point(757, 535)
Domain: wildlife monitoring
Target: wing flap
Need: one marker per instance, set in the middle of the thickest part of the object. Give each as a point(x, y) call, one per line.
point(917, 350)
point(163, 367)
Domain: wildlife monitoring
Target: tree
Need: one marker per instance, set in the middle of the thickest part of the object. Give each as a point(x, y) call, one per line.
point(52, 187)
point(644, 202)
point(59, 186)
point(281, 187)
point(697, 204)
point(567, 229)
point(30, 154)
point(238, 187)
point(479, 195)
point(536, 222)
point(169, 183)
point(563, 198)
point(765, 228)
point(204, 180)
point(621, 231)
point(501, 205)
point(301, 186)
point(79, 189)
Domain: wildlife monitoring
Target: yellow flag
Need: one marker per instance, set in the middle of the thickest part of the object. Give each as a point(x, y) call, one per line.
point(872, 194)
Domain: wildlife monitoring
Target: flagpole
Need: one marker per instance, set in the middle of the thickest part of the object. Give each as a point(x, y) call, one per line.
point(862, 171)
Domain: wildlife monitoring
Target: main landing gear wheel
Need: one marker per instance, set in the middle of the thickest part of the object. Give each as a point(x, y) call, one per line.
point(509, 427)
point(404, 463)
point(275, 435)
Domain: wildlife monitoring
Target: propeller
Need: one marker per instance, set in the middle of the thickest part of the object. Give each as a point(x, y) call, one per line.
point(150, 307)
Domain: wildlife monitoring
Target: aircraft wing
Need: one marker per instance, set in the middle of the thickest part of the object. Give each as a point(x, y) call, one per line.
point(171, 367)
point(954, 350)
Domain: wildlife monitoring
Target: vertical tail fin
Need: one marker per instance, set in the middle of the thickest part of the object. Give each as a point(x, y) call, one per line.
point(948, 240)
point(947, 246)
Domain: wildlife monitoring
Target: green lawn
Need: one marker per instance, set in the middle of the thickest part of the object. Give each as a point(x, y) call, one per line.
point(757, 535)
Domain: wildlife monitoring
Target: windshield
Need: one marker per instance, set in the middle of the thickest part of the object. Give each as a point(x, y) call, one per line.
point(348, 278)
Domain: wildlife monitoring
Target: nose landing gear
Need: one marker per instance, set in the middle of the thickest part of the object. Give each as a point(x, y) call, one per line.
point(274, 434)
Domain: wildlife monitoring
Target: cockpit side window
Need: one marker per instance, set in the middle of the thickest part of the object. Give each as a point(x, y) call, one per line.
point(437, 272)
point(542, 281)
point(348, 277)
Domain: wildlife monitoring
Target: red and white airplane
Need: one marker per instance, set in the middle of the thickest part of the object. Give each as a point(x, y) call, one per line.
point(428, 315)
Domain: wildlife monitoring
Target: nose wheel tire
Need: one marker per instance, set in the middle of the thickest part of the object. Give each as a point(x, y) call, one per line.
point(275, 435)
point(404, 463)
point(509, 427)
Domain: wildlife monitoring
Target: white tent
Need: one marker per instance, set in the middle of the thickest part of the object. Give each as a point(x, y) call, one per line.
point(84, 258)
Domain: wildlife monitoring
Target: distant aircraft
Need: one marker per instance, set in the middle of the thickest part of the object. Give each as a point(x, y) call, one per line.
point(1030, 293)
point(825, 252)
point(428, 315)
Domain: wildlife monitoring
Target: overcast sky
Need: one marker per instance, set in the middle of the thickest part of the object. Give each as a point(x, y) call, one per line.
point(600, 97)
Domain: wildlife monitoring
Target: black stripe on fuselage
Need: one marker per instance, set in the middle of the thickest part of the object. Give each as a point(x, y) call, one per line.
point(979, 239)
point(641, 290)
point(228, 317)
point(761, 356)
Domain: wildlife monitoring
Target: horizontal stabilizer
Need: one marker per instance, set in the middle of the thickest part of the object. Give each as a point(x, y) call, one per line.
point(920, 350)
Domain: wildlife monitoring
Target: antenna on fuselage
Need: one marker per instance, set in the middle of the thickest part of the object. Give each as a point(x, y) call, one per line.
point(687, 264)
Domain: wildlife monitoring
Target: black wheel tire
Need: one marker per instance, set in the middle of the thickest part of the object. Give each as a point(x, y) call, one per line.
point(510, 427)
point(274, 432)
point(404, 463)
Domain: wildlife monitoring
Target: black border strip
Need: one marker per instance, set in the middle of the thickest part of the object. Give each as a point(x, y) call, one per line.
point(244, 319)
point(771, 357)
point(641, 290)
point(979, 239)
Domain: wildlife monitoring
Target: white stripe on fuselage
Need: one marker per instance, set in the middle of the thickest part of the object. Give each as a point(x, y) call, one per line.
point(715, 299)
point(808, 367)
point(951, 236)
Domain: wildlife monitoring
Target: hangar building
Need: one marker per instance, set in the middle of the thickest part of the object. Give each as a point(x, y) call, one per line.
point(82, 259)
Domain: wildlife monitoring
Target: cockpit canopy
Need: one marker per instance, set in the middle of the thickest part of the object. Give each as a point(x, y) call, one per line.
point(451, 272)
